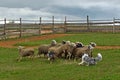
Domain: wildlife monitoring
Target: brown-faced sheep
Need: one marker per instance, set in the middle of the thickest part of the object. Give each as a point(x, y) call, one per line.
point(43, 49)
point(24, 52)
point(65, 49)
point(78, 52)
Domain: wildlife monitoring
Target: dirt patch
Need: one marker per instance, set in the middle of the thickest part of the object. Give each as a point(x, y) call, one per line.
point(108, 47)
point(10, 43)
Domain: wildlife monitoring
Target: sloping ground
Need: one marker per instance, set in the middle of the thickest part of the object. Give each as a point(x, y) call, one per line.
point(108, 47)
point(10, 43)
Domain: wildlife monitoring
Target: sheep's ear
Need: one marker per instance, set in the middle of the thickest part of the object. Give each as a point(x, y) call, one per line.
point(73, 44)
point(77, 42)
point(90, 47)
point(21, 47)
point(91, 43)
point(53, 42)
point(68, 42)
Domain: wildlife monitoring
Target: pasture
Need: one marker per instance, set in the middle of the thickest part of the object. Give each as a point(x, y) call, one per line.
point(102, 39)
point(40, 69)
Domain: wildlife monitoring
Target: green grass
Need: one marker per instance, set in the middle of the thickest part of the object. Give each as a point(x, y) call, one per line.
point(40, 69)
point(102, 39)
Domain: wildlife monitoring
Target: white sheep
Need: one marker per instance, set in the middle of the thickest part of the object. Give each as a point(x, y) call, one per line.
point(65, 49)
point(78, 52)
point(43, 49)
point(24, 52)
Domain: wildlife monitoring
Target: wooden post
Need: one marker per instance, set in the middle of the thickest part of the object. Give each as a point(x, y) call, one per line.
point(4, 27)
point(20, 28)
point(65, 22)
point(53, 24)
point(88, 27)
point(113, 28)
point(40, 25)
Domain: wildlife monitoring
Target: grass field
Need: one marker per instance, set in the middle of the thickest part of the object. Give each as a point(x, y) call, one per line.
point(102, 39)
point(40, 69)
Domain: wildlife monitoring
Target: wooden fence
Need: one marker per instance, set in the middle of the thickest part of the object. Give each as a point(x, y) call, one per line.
point(22, 27)
point(93, 25)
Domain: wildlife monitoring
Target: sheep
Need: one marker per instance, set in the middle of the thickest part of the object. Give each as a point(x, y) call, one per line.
point(70, 48)
point(58, 50)
point(62, 43)
point(65, 49)
point(79, 44)
point(92, 46)
point(24, 52)
point(43, 49)
point(78, 52)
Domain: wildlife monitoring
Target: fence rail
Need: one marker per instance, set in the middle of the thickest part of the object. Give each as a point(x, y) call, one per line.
point(22, 27)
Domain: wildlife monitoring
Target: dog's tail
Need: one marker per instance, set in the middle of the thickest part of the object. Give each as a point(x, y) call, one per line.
point(99, 57)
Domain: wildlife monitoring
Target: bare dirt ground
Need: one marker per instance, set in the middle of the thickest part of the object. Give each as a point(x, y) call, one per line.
point(10, 43)
point(108, 47)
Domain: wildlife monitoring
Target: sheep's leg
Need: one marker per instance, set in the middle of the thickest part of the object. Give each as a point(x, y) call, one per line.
point(45, 55)
point(76, 58)
point(91, 54)
point(20, 58)
point(65, 55)
point(64, 52)
point(51, 62)
point(32, 56)
point(38, 55)
point(69, 55)
point(35, 56)
point(72, 56)
point(29, 56)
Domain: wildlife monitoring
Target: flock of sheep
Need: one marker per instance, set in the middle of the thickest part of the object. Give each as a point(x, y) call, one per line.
point(54, 50)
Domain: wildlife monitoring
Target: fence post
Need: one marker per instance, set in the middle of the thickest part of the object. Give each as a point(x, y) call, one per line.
point(4, 27)
point(113, 28)
point(53, 24)
point(20, 28)
point(4, 32)
point(40, 21)
point(65, 22)
point(88, 26)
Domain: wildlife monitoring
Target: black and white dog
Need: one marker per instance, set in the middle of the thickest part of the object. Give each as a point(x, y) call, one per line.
point(86, 60)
